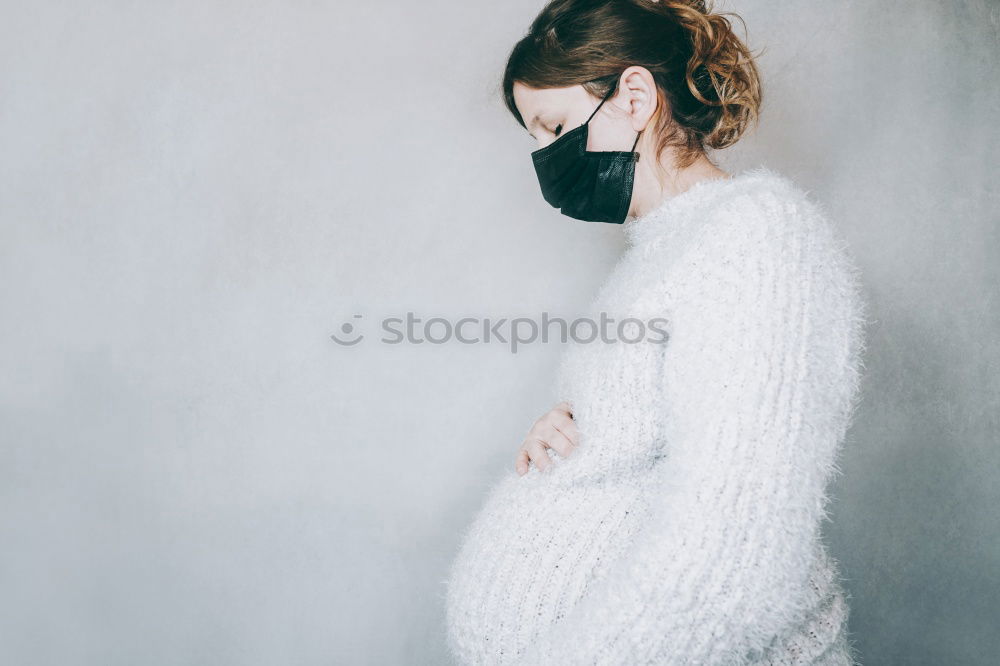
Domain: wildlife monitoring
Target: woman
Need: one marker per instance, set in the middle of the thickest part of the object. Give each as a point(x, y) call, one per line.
point(668, 509)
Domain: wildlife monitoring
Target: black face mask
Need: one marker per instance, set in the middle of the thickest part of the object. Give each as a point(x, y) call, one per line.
point(594, 186)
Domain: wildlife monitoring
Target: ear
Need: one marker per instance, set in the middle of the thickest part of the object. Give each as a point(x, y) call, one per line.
point(637, 96)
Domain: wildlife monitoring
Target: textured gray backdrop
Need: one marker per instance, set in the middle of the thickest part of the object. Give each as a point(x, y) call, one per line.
point(195, 195)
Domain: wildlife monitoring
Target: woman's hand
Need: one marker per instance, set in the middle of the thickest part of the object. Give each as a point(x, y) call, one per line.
point(554, 430)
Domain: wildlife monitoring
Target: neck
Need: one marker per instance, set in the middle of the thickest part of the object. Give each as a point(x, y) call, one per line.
point(653, 189)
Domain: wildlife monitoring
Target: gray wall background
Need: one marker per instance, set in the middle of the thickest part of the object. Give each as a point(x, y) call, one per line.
point(195, 195)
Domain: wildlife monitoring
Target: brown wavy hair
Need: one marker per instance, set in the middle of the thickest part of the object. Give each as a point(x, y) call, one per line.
point(704, 73)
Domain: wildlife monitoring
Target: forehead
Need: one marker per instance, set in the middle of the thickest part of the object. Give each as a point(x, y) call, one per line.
point(532, 102)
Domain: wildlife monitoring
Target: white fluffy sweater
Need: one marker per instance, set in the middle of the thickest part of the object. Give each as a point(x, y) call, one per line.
point(685, 529)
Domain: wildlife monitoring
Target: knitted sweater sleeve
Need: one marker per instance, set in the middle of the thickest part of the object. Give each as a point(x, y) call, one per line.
point(760, 379)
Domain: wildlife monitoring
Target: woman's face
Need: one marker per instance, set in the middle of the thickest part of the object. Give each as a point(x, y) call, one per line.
point(548, 113)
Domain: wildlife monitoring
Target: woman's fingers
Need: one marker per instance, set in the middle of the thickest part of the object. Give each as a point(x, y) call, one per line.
point(567, 427)
point(521, 463)
point(555, 430)
point(536, 451)
point(555, 439)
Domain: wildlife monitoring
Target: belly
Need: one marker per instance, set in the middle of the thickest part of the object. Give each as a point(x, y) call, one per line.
point(530, 554)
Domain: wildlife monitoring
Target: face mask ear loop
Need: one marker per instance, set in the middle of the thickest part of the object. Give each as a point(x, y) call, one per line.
point(636, 140)
point(610, 92)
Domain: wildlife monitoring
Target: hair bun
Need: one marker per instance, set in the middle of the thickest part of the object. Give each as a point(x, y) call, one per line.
point(720, 71)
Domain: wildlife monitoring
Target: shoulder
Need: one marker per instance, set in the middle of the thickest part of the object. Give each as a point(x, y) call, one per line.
point(764, 204)
point(763, 235)
point(764, 218)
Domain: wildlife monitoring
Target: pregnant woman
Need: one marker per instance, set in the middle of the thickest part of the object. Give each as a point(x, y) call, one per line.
point(668, 509)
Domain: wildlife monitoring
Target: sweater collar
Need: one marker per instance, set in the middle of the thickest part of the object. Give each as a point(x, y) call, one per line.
point(670, 213)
